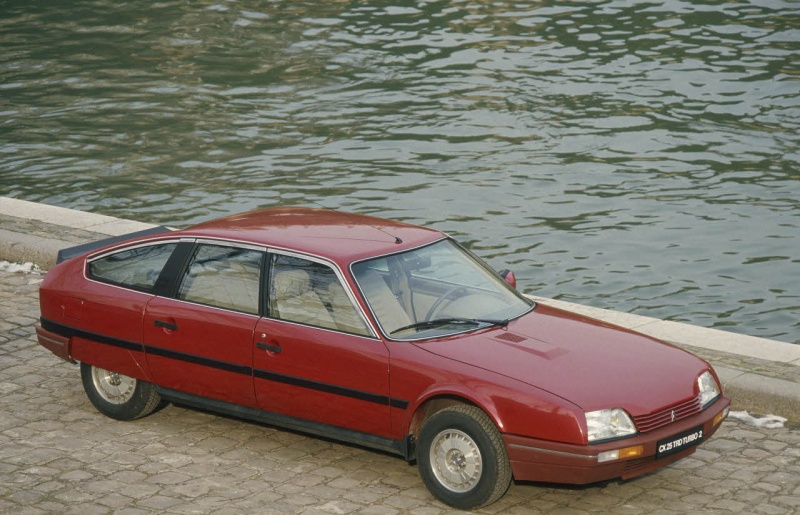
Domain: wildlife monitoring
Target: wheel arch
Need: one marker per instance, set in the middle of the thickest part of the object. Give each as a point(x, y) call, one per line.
point(433, 405)
point(435, 402)
point(521, 411)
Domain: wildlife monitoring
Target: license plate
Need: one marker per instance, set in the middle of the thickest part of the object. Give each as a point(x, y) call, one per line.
point(679, 442)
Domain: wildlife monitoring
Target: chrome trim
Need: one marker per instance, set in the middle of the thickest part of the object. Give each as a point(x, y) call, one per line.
point(122, 247)
point(210, 306)
point(226, 243)
point(371, 337)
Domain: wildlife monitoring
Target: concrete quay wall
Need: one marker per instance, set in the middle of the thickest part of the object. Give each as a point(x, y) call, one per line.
point(760, 375)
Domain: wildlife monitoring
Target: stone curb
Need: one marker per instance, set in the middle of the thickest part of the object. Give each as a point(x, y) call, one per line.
point(36, 232)
point(21, 248)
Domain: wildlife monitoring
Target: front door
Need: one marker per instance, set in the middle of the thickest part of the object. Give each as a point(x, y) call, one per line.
point(315, 357)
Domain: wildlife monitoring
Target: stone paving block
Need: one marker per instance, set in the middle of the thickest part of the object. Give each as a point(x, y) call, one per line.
point(769, 509)
point(58, 455)
point(379, 510)
point(790, 501)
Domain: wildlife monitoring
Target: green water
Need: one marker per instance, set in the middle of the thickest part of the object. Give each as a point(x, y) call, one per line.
point(639, 156)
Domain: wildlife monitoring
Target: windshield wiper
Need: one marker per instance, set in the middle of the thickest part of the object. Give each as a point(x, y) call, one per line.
point(427, 324)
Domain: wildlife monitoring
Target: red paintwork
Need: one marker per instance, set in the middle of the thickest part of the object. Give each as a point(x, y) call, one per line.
point(107, 310)
point(534, 378)
point(511, 279)
point(538, 460)
point(202, 331)
point(617, 362)
point(329, 357)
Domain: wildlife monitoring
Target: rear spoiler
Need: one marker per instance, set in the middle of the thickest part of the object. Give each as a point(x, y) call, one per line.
point(71, 252)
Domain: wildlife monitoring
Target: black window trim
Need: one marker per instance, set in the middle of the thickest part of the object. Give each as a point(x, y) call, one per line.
point(167, 283)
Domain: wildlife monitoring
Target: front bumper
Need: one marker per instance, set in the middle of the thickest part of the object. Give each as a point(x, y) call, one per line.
point(541, 460)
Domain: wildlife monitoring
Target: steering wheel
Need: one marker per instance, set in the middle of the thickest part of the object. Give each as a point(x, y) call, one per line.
point(440, 302)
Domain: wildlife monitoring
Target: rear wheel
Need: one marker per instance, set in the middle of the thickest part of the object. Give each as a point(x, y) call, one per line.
point(462, 459)
point(118, 396)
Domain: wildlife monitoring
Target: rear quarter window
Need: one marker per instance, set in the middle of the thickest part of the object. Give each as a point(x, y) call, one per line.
point(136, 268)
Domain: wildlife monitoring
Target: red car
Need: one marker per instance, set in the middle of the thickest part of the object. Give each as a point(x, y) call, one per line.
point(377, 333)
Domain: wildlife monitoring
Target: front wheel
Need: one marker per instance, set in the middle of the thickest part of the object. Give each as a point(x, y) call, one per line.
point(462, 459)
point(118, 396)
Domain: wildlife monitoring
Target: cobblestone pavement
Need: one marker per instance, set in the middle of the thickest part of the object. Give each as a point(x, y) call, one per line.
point(58, 455)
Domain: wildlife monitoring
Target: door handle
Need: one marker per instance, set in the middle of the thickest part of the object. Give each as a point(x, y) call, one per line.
point(268, 347)
point(166, 325)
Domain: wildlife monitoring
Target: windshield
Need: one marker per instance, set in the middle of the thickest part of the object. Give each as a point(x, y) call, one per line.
point(434, 291)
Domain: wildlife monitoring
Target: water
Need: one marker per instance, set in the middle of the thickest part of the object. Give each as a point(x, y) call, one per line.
point(638, 156)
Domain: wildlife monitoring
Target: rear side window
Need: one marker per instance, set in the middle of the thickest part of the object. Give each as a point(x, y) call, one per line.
point(225, 277)
point(136, 268)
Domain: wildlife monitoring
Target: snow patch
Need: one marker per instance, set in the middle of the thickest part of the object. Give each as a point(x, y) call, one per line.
point(767, 421)
point(28, 268)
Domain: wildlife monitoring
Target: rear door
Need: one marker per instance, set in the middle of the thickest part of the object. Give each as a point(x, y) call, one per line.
point(201, 340)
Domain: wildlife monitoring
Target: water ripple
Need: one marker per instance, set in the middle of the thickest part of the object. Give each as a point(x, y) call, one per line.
point(640, 156)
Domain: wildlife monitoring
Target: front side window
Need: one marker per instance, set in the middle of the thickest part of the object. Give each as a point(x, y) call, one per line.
point(136, 268)
point(434, 291)
point(223, 276)
point(311, 293)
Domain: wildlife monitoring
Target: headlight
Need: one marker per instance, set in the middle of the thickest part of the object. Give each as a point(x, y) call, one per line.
point(709, 389)
point(608, 424)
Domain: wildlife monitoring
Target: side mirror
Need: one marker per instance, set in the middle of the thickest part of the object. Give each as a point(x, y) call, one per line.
point(509, 277)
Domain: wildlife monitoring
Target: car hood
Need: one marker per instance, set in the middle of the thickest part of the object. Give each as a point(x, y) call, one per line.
point(589, 363)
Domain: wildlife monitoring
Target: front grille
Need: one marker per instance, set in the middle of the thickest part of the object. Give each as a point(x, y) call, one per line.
point(634, 467)
point(651, 421)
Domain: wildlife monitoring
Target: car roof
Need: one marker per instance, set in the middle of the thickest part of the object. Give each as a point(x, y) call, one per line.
point(342, 237)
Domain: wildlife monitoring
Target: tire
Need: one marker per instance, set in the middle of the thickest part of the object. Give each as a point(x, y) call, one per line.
point(462, 458)
point(118, 396)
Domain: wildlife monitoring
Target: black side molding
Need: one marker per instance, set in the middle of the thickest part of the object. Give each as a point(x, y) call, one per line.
point(404, 448)
point(71, 252)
